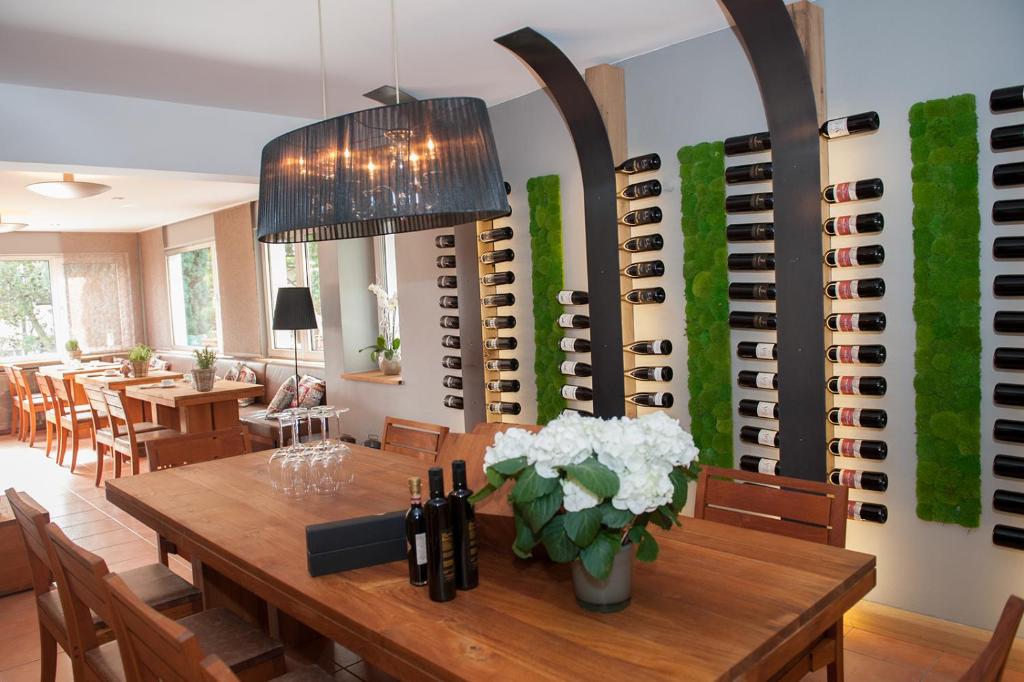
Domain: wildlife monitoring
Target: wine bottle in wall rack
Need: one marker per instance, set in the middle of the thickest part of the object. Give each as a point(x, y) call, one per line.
point(739, 319)
point(858, 448)
point(641, 216)
point(451, 381)
point(644, 296)
point(1008, 466)
point(1007, 137)
point(1008, 358)
point(1008, 211)
point(570, 321)
point(853, 256)
point(859, 417)
point(867, 511)
point(759, 409)
point(746, 203)
point(450, 321)
point(752, 291)
point(641, 190)
point(498, 300)
point(651, 347)
point(658, 399)
point(581, 393)
point(751, 261)
point(451, 362)
point(1008, 322)
point(503, 386)
point(650, 268)
point(497, 256)
point(849, 289)
point(650, 373)
point(1011, 395)
point(502, 407)
point(856, 322)
point(856, 223)
point(764, 380)
point(447, 282)
point(766, 437)
point(445, 241)
point(451, 341)
point(752, 350)
point(1008, 248)
point(750, 232)
point(849, 125)
point(575, 369)
point(1008, 174)
point(453, 401)
point(446, 262)
point(1008, 285)
point(498, 234)
point(841, 192)
point(760, 465)
point(493, 279)
point(855, 385)
point(1008, 536)
point(582, 413)
point(861, 480)
point(639, 164)
point(751, 172)
point(501, 343)
point(574, 345)
point(448, 302)
point(502, 365)
point(647, 242)
point(1006, 99)
point(500, 322)
point(570, 297)
point(745, 144)
point(856, 354)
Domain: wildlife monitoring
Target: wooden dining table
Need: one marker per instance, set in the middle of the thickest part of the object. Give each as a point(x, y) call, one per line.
point(719, 603)
point(136, 409)
point(181, 407)
point(68, 373)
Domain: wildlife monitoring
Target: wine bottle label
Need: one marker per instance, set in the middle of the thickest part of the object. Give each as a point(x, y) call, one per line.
point(847, 289)
point(569, 392)
point(849, 322)
point(658, 399)
point(565, 320)
point(656, 348)
point(565, 297)
point(656, 375)
point(850, 478)
point(845, 191)
point(763, 351)
point(849, 354)
point(836, 128)
point(849, 385)
point(853, 510)
point(421, 548)
point(846, 258)
point(566, 344)
point(766, 466)
point(845, 225)
point(766, 436)
point(849, 416)
point(447, 556)
point(766, 410)
point(849, 447)
point(764, 380)
point(568, 367)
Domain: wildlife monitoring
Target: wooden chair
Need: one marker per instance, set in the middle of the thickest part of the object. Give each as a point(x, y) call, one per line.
point(12, 387)
point(52, 419)
point(471, 447)
point(73, 421)
point(491, 429)
point(806, 510)
point(413, 438)
point(990, 664)
point(101, 430)
point(128, 441)
point(31, 405)
point(156, 648)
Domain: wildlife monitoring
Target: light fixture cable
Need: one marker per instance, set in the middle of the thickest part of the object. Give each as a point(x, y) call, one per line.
point(394, 51)
point(323, 60)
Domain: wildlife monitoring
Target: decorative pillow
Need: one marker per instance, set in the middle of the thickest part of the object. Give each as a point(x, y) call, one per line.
point(246, 375)
point(232, 374)
point(283, 398)
point(126, 367)
point(311, 391)
point(156, 363)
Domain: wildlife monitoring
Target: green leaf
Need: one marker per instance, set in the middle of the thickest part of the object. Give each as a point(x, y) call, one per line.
point(614, 518)
point(510, 467)
point(538, 512)
point(382, 342)
point(396, 344)
point(525, 539)
point(494, 477)
point(482, 494)
point(636, 533)
point(598, 557)
point(582, 526)
point(595, 477)
point(661, 521)
point(647, 550)
point(680, 487)
point(672, 517)
point(530, 485)
point(560, 548)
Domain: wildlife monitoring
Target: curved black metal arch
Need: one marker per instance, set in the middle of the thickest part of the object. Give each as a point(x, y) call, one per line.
point(574, 100)
point(777, 57)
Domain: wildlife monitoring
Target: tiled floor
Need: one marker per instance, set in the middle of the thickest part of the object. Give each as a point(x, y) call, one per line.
point(83, 512)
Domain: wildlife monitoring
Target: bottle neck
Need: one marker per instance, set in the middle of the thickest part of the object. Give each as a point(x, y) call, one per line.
point(415, 500)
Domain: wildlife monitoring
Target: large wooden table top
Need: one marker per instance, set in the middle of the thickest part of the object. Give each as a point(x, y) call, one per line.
point(183, 394)
point(64, 372)
point(719, 603)
point(117, 381)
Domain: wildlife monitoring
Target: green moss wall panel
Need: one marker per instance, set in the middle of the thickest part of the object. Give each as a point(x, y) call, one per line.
point(544, 196)
point(947, 310)
point(702, 186)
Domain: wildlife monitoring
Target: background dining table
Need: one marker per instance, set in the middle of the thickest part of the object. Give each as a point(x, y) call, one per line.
point(136, 409)
point(68, 372)
point(181, 407)
point(720, 602)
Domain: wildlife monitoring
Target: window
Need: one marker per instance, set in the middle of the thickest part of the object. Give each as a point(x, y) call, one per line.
point(294, 265)
point(387, 272)
point(194, 302)
point(26, 309)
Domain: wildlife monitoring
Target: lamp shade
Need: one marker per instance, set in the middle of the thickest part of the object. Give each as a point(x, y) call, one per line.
point(293, 309)
point(400, 168)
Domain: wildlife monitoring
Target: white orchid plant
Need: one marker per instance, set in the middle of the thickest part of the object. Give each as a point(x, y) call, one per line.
point(388, 344)
point(585, 487)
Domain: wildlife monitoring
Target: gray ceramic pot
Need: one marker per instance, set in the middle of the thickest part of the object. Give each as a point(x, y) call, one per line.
point(608, 595)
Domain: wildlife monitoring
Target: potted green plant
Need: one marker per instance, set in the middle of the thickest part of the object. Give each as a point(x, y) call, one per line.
point(586, 489)
point(73, 350)
point(139, 357)
point(203, 373)
point(386, 352)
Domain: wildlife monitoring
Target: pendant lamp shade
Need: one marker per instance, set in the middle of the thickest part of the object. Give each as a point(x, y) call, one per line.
point(68, 188)
point(400, 168)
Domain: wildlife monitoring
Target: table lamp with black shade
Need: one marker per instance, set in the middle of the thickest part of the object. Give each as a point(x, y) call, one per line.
point(293, 310)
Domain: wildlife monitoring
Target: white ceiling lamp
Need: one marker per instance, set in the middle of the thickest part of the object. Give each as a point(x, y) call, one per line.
point(7, 226)
point(68, 188)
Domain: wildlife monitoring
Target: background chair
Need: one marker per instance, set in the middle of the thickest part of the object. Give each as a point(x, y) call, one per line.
point(73, 420)
point(990, 664)
point(31, 405)
point(413, 438)
point(52, 418)
point(12, 388)
point(128, 441)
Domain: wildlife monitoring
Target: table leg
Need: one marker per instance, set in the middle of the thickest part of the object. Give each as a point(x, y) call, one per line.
point(168, 416)
point(225, 414)
point(197, 419)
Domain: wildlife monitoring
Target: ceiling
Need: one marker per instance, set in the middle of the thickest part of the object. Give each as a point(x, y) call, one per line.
point(136, 201)
point(262, 55)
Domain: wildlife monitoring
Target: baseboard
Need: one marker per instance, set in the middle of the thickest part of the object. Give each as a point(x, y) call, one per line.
point(961, 640)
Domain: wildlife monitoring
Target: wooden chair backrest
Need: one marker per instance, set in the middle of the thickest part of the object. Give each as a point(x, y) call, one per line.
point(192, 448)
point(46, 389)
point(793, 507)
point(413, 438)
point(24, 379)
point(470, 447)
point(12, 382)
point(97, 405)
point(988, 667)
point(32, 520)
point(491, 429)
point(153, 647)
point(79, 575)
point(64, 402)
point(120, 424)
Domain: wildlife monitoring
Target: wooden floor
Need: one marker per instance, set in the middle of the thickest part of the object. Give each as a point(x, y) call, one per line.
point(876, 649)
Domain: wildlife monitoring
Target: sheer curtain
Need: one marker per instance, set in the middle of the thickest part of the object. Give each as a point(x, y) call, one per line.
point(97, 305)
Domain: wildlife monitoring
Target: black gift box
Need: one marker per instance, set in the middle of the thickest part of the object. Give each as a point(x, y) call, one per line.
point(355, 543)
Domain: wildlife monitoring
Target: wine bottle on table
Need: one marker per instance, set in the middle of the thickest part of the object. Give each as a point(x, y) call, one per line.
point(853, 256)
point(746, 320)
point(1008, 322)
point(581, 393)
point(447, 282)
point(493, 279)
point(761, 409)
point(451, 362)
point(445, 241)
point(651, 268)
point(647, 242)
point(448, 301)
point(1008, 174)
point(570, 297)
point(849, 125)
point(572, 345)
point(467, 571)
point(1006, 99)
point(750, 232)
point(1008, 466)
point(652, 347)
point(1008, 211)
point(751, 261)
point(641, 216)
point(841, 192)
point(639, 164)
point(859, 417)
point(659, 399)
point(570, 321)
point(760, 465)
point(502, 365)
point(766, 437)
point(1008, 394)
point(858, 448)
point(498, 234)
point(641, 190)
point(446, 262)
point(501, 343)
point(856, 322)
point(763, 380)
point(752, 291)
point(1008, 430)
point(500, 322)
point(453, 401)
point(1005, 248)
point(1008, 536)
point(646, 296)
point(849, 289)
point(867, 511)
point(451, 341)
point(416, 533)
point(1008, 358)
point(650, 373)
point(498, 300)
point(575, 369)
point(503, 386)
point(854, 385)
point(450, 381)
point(1007, 137)
point(1008, 285)
point(756, 351)
point(497, 256)
point(450, 321)
point(751, 172)
point(861, 480)
point(501, 407)
point(746, 203)
point(858, 223)
point(440, 543)
point(745, 144)
point(856, 355)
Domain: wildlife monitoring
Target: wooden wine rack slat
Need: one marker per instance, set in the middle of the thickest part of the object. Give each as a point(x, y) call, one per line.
point(485, 269)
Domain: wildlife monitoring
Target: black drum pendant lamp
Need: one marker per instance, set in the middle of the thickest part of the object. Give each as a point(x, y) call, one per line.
point(408, 166)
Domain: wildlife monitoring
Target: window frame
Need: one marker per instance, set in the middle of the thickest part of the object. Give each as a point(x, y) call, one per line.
point(304, 336)
point(385, 263)
point(61, 332)
point(178, 250)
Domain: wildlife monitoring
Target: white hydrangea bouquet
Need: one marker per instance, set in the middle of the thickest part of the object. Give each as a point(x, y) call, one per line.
point(584, 487)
